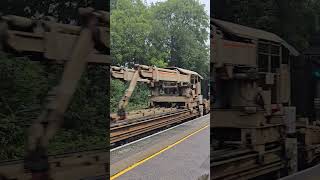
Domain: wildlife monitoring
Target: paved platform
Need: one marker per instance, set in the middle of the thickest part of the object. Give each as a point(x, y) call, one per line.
point(312, 173)
point(182, 152)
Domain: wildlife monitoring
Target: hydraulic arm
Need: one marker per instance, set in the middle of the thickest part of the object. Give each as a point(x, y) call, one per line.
point(168, 86)
point(23, 36)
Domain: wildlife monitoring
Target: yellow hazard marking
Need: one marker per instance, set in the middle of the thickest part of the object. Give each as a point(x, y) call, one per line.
point(156, 154)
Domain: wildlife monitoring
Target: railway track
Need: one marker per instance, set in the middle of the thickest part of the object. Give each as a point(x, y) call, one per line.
point(83, 165)
point(243, 163)
point(91, 164)
point(126, 129)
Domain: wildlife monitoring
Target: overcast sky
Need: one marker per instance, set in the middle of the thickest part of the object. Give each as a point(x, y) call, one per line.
point(205, 2)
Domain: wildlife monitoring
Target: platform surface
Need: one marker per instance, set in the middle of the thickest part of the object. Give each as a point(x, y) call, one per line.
point(188, 159)
point(312, 173)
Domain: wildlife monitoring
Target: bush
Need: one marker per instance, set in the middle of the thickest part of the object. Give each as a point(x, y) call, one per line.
point(24, 85)
point(139, 100)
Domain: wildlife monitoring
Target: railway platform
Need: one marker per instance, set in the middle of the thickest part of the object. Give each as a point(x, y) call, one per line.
point(312, 173)
point(180, 152)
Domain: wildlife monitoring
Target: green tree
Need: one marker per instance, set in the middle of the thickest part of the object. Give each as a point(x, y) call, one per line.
point(180, 28)
point(170, 33)
point(23, 90)
point(139, 99)
point(174, 32)
point(130, 29)
point(24, 85)
point(293, 20)
point(65, 11)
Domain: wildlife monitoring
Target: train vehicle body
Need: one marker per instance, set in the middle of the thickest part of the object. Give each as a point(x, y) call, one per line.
point(170, 87)
point(175, 97)
point(76, 46)
point(305, 97)
point(253, 121)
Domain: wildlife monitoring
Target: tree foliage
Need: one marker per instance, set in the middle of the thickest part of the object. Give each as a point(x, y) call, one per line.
point(139, 99)
point(24, 85)
point(293, 20)
point(180, 28)
point(23, 90)
point(169, 33)
point(65, 11)
point(130, 28)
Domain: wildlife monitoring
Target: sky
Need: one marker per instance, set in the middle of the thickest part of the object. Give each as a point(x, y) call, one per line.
point(205, 2)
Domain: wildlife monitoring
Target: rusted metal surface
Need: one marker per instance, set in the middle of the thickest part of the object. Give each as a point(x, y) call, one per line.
point(252, 33)
point(57, 42)
point(149, 73)
point(170, 87)
point(246, 62)
point(175, 97)
point(252, 91)
point(123, 130)
point(309, 143)
point(64, 166)
point(142, 113)
point(243, 163)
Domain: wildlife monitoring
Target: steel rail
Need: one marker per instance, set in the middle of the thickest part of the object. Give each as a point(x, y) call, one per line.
point(132, 128)
point(73, 165)
point(233, 164)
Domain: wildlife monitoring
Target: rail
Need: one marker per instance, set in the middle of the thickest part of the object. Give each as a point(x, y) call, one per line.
point(73, 165)
point(125, 130)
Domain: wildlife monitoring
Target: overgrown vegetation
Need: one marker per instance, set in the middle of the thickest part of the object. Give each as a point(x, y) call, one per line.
point(23, 89)
point(139, 99)
point(293, 20)
point(168, 33)
point(24, 85)
point(64, 11)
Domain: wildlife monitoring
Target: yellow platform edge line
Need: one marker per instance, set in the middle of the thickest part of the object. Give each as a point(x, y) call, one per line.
point(155, 154)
